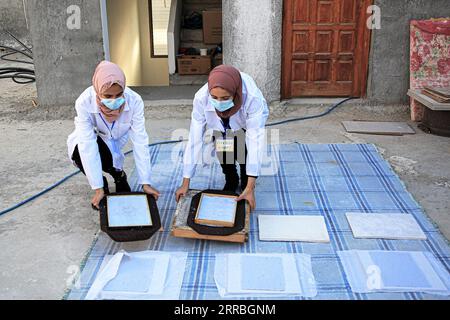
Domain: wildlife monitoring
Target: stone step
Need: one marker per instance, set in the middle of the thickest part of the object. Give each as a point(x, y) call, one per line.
point(183, 80)
point(197, 45)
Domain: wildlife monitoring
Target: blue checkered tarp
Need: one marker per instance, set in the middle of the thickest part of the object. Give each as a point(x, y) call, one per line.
point(311, 179)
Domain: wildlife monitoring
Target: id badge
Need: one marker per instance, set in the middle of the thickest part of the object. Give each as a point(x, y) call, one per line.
point(225, 145)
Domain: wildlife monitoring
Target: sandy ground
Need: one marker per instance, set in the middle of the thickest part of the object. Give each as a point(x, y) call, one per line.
point(44, 241)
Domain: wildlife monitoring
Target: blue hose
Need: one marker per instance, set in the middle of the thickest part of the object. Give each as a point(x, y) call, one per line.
point(310, 117)
point(37, 195)
point(160, 143)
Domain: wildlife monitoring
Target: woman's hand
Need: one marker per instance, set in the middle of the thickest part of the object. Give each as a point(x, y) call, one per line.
point(150, 190)
point(181, 191)
point(99, 194)
point(249, 193)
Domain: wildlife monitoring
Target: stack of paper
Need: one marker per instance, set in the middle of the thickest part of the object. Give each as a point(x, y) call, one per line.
point(139, 275)
point(394, 271)
point(264, 275)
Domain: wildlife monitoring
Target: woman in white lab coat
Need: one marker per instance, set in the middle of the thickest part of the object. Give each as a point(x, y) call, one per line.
point(232, 105)
point(108, 113)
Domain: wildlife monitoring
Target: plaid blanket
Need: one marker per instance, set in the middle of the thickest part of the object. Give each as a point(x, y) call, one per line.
point(312, 179)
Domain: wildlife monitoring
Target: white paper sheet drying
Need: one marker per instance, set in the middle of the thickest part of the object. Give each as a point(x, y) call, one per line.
point(292, 228)
point(385, 226)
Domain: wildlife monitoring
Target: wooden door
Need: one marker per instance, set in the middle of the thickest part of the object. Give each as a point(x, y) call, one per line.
point(325, 48)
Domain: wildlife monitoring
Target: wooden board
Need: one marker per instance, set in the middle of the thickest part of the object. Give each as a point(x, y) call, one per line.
point(428, 102)
point(443, 92)
point(437, 97)
point(374, 127)
point(182, 230)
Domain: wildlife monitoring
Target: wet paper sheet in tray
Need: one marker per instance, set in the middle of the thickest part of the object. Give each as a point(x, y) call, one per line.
point(394, 271)
point(128, 211)
point(215, 209)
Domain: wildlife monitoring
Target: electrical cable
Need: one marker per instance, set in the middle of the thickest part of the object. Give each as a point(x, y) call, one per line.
point(20, 42)
point(17, 74)
point(310, 117)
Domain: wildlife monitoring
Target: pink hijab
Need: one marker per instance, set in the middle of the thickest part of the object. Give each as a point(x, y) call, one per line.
point(106, 74)
point(228, 78)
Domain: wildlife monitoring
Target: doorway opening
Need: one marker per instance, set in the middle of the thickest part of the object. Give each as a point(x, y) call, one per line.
point(165, 47)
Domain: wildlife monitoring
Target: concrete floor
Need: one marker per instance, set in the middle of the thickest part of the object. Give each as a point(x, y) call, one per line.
point(44, 241)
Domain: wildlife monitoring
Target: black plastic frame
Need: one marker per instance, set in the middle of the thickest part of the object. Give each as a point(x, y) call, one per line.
point(135, 233)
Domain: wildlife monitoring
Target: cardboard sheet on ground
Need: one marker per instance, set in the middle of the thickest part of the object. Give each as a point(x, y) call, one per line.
point(375, 127)
point(264, 275)
point(216, 210)
point(385, 226)
point(139, 275)
point(292, 228)
point(128, 210)
point(394, 271)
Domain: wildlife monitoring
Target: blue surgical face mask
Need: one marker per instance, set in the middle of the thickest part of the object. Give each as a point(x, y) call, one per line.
point(221, 105)
point(113, 104)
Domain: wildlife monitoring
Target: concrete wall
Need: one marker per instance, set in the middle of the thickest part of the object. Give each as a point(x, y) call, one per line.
point(64, 59)
point(389, 57)
point(13, 19)
point(252, 41)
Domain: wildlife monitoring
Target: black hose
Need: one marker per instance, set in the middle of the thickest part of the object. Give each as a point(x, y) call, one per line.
point(14, 60)
point(20, 42)
point(311, 117)
point(17, 74)
point(17, 51)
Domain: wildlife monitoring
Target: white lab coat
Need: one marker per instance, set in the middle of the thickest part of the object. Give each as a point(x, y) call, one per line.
point(130, 124)
point(251, 116)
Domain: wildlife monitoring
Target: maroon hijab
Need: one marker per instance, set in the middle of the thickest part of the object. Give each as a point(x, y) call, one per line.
point(228, 78)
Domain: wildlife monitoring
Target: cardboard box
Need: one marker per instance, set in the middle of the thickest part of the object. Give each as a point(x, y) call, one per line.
point(194, 64)
point(212, 26)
